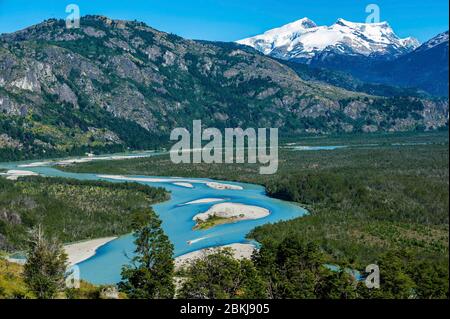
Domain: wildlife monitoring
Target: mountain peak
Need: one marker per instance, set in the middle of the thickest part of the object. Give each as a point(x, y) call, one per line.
point(293, 27)
point(303, 39)
point(344, 22)
point(435, 41)
point(306, 23)
point(411, 42)
point(347, 23)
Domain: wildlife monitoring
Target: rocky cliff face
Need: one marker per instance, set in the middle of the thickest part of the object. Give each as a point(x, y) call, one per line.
point(111, 84)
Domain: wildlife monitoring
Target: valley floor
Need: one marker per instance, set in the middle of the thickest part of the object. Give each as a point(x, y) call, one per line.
point(378, 193)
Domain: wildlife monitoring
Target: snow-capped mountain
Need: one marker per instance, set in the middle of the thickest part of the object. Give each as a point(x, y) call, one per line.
point(304, 40)
point(425, 68)
point(370, 52)
point(434, 42)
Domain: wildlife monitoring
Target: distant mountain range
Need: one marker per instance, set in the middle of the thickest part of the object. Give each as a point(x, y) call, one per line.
point(370, 52)
point(112, 85)
point(304, 41)
point(425, 68)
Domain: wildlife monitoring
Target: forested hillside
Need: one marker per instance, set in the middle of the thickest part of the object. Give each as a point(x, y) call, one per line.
point(69, 210)
point(111, 85)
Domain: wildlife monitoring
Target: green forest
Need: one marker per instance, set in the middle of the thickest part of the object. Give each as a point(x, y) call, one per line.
point(383, 197)
point(69, 210)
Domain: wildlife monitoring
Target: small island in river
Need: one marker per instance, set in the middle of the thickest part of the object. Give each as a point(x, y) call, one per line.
point(225, 213)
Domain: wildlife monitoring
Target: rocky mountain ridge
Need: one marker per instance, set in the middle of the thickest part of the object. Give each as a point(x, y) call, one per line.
point(113, 85)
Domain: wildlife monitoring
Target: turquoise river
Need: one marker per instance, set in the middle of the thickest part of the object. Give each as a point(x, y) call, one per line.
point(177, 217)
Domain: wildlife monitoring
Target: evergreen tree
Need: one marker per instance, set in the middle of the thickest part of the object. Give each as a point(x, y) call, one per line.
point(395, 278)
point(296, 269)
point(337, 285)
point(218, 275)
point(45, 269)
point(431, 278)
point(150, 275)
point(292, 268)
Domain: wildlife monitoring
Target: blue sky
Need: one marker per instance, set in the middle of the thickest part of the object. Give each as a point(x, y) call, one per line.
point(228, 20)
